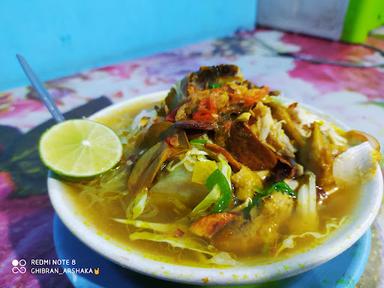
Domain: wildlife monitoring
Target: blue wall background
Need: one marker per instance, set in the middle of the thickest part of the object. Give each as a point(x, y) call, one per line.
point(59, 38)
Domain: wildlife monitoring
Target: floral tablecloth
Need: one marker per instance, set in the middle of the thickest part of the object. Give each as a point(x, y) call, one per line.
point(354, 95)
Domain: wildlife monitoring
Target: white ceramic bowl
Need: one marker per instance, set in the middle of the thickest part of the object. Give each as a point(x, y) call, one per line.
point(362, 217)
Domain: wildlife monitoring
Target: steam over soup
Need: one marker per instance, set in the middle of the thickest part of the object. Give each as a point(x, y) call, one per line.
point(223, 172)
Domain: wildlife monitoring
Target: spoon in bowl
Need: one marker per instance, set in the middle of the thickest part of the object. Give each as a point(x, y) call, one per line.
point(40, 89)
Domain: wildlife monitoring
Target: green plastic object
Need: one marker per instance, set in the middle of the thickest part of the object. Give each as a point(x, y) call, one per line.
point(362, 16)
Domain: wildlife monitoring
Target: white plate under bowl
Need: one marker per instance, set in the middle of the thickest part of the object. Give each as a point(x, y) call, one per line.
point(366, 209)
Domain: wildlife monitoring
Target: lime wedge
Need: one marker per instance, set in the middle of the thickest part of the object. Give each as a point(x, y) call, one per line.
point(80, 149)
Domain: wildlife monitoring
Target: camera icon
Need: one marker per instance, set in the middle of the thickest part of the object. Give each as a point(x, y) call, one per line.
point(18, 266)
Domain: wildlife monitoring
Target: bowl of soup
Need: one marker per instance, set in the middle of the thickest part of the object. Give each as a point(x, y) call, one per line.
point(224, 182)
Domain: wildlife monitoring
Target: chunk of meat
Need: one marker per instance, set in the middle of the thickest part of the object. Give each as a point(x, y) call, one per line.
point(246, 182)
point(221, 133)
point(195, 125)
point(316, 156)
point(261, 233)
point(278, 205)
point(248, 149)
point(209, 225)
point(270, 131)
point(281, 113)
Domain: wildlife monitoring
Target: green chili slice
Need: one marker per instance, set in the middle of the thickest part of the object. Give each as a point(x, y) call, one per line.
point(218, 178)
point(214, 85)
point(198, 141)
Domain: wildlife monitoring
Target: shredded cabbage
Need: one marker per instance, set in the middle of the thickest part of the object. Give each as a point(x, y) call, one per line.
point(189, 159)
point(107, 187)
point(207, 202)
point(219, 258)
point(334, 136)
point(271, 131)
point(306, 208)
point(178, 242)
point(137, 206)
point(332, 131)
point(278, 135)
point(264, 122)
point(244, 117)
point(289, 242)
point(158, 227)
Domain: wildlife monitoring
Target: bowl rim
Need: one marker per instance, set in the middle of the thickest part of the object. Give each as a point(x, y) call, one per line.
point(337, 243)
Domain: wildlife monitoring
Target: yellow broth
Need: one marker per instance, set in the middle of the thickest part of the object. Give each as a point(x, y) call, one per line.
point(100, 215)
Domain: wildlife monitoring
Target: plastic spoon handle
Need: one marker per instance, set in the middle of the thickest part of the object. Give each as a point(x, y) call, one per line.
point(40, 89)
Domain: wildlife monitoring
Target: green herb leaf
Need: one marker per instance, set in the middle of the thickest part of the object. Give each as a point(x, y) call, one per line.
point(280, 187)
